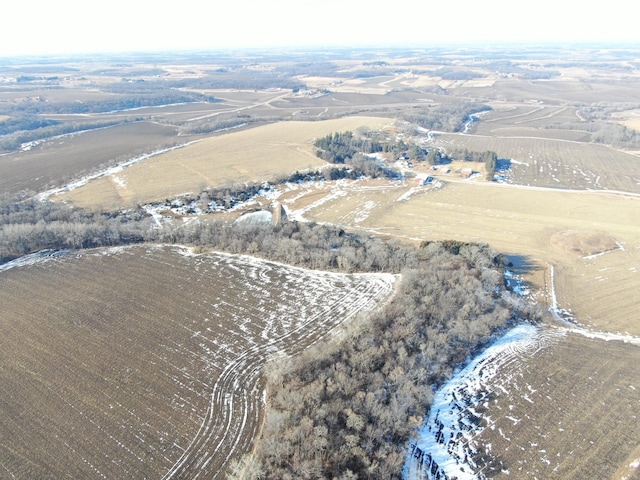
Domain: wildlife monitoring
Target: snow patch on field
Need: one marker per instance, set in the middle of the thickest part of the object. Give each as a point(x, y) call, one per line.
point(111, 171)
point(119, 181)
point(408, 194)
point(445, 446)
point(33, 259)
point(364, 210)
point(298, 215)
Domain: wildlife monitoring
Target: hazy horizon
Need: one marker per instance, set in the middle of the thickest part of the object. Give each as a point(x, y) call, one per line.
point(72, 27)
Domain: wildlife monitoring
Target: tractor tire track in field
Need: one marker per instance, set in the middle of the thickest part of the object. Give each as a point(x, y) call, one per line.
point(148, 360)
point(233, 417)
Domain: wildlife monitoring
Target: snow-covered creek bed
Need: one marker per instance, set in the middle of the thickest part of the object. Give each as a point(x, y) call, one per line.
point(444, 447)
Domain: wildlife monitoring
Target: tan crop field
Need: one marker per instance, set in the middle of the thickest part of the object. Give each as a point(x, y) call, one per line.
point(254, 155)
point(557, 163)
point(145, 362)
point(526, 223)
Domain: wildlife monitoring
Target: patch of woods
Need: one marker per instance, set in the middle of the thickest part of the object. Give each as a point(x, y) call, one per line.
point(28, 225)
point(348, 409)
point(354, 150)
point(448, 117)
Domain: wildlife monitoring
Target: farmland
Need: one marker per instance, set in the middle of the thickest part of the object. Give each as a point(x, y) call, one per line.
point(516, 221)
point(267, 151)
point(147, 361)
point(564, 213)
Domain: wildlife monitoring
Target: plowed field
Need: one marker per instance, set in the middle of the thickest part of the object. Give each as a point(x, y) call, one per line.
point(146, 362)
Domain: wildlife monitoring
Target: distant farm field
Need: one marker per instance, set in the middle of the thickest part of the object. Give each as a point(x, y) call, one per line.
point(145, 362)
point(257, 154)
point(538, 228)
point(567, 90)
point(62, 158)
point(557, 163)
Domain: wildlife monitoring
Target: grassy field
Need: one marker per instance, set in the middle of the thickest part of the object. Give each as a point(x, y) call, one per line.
point(145, 362)
point(253, 155)
point(525, 223)
point(558, 163)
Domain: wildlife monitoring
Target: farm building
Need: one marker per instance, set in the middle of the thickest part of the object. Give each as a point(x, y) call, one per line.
point(425, 180)
point(466, 172)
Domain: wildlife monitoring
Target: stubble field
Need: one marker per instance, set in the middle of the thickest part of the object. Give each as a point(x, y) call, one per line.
point(146, 362)
point(258, 154)
point(52, 161)
point(551, 414)
point(537, 228)
point(557, 163)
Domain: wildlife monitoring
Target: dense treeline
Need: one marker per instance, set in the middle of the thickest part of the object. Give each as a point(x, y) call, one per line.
point(126, 101)
point(473, 156)
point(206, 126)
point(28, 225)
point(25, 122)
point(303, 244)
point(347, 148)
point(340, 146)
point(348, 410)
point(449, 117)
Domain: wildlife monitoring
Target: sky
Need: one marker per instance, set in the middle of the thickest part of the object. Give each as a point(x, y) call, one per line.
point(43, 27)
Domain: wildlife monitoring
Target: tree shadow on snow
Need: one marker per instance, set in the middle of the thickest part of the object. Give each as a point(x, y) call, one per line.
point(521, 264)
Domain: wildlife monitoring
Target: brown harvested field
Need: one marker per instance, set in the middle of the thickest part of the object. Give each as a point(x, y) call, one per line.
point(557, 163)
point(569, 411)
point(527, 224)
point(550, 401)
point(163, 113)
point(145, 362)
point(559, 91)
point(257, 154)
point(532, 120)
point(59, 159)
point(37, 93)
